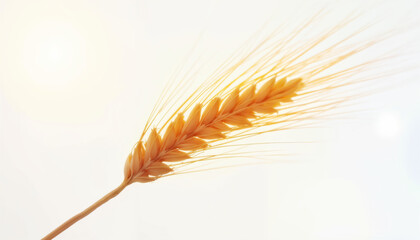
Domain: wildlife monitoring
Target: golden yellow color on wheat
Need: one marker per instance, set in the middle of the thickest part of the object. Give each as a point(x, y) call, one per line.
point(277, 85)
point(152, 159)
point(279, 88)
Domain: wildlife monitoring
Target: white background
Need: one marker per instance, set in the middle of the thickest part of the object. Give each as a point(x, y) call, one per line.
point(79, 78)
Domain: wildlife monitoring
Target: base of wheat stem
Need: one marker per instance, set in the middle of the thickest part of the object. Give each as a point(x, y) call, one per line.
point(86, 212)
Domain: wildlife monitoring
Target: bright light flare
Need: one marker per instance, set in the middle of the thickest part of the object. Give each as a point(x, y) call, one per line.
point(54, 53)
point(388, 125)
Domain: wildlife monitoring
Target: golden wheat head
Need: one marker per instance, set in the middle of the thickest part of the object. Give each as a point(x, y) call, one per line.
point(277, 85)
point(184, 136)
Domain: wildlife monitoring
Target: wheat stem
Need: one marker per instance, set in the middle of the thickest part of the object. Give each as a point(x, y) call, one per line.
point(86, 212)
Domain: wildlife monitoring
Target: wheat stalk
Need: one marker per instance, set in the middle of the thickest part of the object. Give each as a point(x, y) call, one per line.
point(229, 108)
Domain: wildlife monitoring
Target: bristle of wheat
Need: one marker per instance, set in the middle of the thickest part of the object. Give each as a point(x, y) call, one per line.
point(220, 117)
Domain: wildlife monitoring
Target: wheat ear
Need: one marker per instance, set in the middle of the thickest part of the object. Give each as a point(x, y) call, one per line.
point(244, 106)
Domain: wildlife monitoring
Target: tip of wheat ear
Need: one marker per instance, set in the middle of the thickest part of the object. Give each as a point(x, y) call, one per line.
point(152, 159)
